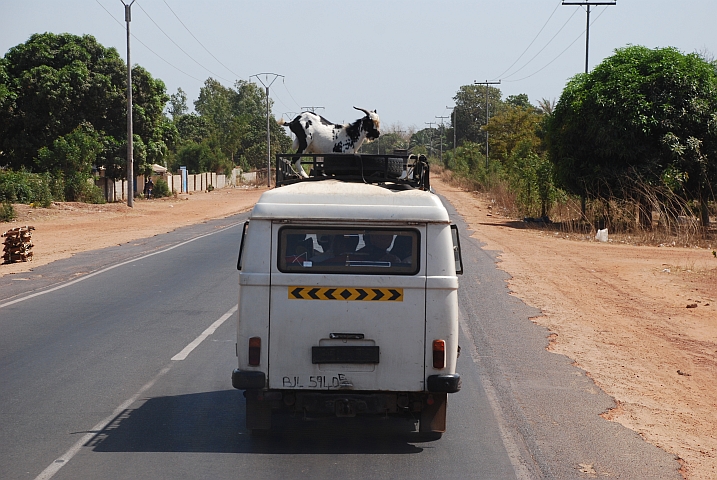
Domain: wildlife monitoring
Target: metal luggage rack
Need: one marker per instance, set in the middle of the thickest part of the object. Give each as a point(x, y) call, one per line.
point(396, 171)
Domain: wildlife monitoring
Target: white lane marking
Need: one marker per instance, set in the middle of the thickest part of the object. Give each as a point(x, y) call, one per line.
point(37, 294)
point(511, 447)
point(55, 466)
point(188, 349)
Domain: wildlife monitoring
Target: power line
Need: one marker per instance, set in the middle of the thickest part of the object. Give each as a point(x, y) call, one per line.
point(559, 55)
point(486, 83)
point(200, 43)
point(531, 43)
point(588, 4)
point(147, 47)
point(180, 48)
point(266, 85)
point(546, 45)
point(287, 91)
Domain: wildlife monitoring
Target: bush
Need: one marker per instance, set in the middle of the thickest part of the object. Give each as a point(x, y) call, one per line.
point(7, 212)
point(161, 189)
point(25, 187)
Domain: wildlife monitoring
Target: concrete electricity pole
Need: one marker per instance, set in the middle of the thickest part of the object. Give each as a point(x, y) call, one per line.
point(430, 127)
point(588, 4)
point(486, 83)
point(130, 145)
point(266, 83)
point(442, 130)
point(454, 120)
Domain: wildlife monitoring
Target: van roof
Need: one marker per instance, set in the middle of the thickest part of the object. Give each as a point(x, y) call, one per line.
point(336, 200)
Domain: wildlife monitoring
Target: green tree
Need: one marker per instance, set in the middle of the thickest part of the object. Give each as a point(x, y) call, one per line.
point(639, 115)
point(469, 114)
point(512, 126)
point(70, 160)
point(178, 104)
point(55, 83)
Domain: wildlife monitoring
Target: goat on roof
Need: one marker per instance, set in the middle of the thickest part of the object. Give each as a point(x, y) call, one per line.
point(314, 134)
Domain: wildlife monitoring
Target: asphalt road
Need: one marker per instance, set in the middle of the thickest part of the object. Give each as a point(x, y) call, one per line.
point(116, 364)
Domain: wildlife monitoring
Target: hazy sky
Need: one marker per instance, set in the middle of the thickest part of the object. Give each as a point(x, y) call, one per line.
point(404, 58)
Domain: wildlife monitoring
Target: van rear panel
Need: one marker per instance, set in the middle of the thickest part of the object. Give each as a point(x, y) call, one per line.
point(347, 312)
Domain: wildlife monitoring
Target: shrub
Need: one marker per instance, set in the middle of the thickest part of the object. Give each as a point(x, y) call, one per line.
point(161, 189)
point(7, 212)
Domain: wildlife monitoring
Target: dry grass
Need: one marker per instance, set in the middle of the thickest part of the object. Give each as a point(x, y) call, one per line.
point(673, 224)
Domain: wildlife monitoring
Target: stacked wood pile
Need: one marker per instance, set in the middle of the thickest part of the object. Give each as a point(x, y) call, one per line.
point(18, 244)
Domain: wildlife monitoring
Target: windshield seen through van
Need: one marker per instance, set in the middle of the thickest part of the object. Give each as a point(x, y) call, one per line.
point(346, 250)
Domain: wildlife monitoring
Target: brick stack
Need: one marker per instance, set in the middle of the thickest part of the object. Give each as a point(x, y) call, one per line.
point(18, 244)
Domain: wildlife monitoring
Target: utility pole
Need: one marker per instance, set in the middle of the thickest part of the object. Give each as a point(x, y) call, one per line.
point(430, 127)
point(588, 4)
point(130, 145)
point(400, 134)
point(486, 83)
point(313, 109)
point(454, 120)
point(442, 130)
point(267, 84)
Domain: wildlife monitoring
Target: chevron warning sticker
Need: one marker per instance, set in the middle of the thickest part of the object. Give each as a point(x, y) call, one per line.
point(343, 293)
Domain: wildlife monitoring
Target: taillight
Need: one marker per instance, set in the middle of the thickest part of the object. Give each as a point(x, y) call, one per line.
point(254, 351)
point(439, 354)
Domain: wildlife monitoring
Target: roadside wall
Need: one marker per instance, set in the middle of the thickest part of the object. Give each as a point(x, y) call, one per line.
point(116, 190)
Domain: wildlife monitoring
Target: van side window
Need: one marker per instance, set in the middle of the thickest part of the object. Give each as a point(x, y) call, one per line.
point(349, 250)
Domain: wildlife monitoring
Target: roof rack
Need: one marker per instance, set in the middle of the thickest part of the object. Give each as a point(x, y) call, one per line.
point(398, 171)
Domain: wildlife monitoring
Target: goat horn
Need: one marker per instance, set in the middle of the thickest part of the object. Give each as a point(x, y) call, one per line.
point(363, 110)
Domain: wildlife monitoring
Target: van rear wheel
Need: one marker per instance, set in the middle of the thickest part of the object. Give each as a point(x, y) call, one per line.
point(433, 414)
point(258, 414)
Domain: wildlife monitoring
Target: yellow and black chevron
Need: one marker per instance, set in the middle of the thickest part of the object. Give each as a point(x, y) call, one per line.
point(343, 293)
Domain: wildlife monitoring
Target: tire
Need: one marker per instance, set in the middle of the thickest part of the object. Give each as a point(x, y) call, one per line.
point(433, 416)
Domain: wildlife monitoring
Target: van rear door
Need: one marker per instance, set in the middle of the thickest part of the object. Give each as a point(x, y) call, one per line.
point(347, 308)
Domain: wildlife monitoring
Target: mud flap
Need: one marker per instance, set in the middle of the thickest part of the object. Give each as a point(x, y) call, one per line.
point(433, 417)
point(258, 412)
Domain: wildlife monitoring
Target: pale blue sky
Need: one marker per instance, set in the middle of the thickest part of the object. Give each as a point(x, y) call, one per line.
point(404, 58)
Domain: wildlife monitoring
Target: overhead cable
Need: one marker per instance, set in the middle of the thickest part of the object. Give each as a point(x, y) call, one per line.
point(531, 43)
point(546, 45)
point(561, 53)
point(200, 43)
point(180, 48)
point(146, 46)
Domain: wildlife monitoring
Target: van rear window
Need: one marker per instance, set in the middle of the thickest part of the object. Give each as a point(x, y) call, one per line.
point(349, 250)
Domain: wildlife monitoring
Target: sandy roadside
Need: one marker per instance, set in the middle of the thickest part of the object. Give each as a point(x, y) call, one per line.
point(68, 228)
point(620, 312)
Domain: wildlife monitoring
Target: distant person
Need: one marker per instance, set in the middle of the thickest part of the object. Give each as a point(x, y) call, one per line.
point(148, 188)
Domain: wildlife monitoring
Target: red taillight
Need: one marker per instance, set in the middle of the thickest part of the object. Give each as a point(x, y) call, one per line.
point(439, 354)
point(254, 351)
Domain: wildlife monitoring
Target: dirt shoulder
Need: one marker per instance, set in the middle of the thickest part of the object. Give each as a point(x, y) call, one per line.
point(67, 228)
point(621, 313)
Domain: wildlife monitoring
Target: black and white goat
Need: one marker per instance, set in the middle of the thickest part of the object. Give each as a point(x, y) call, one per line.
point(315, 134)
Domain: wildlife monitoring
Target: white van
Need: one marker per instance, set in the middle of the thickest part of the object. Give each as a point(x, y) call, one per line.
point(348, 296)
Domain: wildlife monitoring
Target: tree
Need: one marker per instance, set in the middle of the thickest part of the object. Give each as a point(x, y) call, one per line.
point(178, 104)
point(512, 126)
point(469, 114)
point(70, 160)
point(640, 115)
point(55, 83)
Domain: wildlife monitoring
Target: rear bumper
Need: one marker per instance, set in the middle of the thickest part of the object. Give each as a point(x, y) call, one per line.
point(254, 380)
point(448, 383)
point(248, 380)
